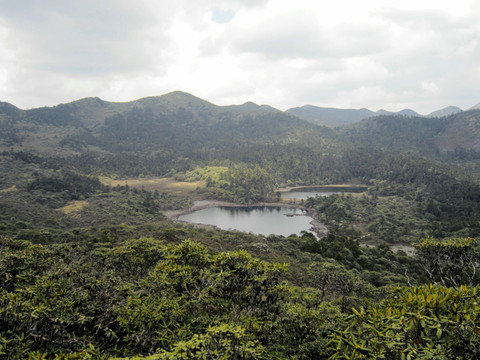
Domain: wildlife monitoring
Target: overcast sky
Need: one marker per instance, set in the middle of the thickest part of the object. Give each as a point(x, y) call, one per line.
point(391, 54)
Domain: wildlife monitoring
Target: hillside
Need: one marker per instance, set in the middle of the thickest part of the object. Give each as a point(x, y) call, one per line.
point(449, 110)
point(330, 117)
point(333, 117)
point(427, 136)
point(175, 121)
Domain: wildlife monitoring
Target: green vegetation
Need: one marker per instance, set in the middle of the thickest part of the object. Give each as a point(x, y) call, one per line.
point(92, 269)
point(428, 322)
point(146, 298)
point(143, 297)
point(242, 184)
point(208, 173)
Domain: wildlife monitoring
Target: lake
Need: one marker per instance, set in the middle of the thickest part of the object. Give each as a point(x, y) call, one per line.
point(262, 220)
point(303, 193)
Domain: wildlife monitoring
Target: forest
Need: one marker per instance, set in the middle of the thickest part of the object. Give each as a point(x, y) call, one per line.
point(94, 270)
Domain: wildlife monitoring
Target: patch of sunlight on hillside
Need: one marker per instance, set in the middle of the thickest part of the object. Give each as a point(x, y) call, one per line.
point(167, 185)
point(10, 189)
point(73, 207)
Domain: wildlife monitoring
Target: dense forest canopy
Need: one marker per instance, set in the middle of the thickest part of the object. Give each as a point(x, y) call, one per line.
point(93, 268)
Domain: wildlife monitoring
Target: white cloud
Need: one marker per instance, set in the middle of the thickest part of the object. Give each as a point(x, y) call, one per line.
point(418, 54)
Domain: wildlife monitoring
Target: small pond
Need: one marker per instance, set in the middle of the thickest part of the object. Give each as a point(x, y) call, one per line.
point(263, 220)
point(302, 193)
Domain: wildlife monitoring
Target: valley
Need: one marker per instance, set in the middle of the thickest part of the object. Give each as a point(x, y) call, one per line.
point(94, 262)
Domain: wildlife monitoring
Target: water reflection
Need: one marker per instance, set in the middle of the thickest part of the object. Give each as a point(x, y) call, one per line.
point(304, 193)
point(263, 220)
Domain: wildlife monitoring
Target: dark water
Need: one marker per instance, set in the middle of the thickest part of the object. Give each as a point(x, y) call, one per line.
point(306, 192)
point(263, 220)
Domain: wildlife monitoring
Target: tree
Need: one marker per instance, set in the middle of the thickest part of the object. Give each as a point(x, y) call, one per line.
point(428, 322)
point(451, 263)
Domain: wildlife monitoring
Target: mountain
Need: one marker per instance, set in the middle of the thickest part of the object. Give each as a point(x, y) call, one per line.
point(182, 123)
point(9, 114)
point(384, 112)
point(462, 133)
point(449, 110)
point(333, 117)
point(475, 107)
point(330, 117)
point(176, 121)
point(7, 109)
point(404, 112)
point(250, 107)
point(425, 135)
point(408, 112)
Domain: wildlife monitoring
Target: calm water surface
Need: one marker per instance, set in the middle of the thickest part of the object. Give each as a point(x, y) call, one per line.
point(263, 220)
point(306, 192)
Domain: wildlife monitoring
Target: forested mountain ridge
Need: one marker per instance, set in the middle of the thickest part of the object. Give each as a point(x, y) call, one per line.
point(457, 132)
point(250, 107)
point(334, 117)
point(449, 110)
point(172, 118)
point(177, 121)
point(330, 116)
point(181, 126)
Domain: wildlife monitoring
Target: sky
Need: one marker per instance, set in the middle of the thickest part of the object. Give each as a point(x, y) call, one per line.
point(390, 54)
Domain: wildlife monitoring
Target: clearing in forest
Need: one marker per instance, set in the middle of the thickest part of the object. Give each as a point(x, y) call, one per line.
point(167, 185)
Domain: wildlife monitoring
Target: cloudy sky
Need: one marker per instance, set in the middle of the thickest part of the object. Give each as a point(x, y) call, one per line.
point(391, 54)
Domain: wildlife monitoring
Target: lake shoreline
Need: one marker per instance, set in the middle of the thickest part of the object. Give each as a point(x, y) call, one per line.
point(329, 187)
point(317, 226)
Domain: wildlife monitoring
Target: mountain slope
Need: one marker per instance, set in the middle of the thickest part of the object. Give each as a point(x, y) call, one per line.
point(427, 135)
point(330, 117)
point(475, 107)
point(250, 107)
point(404, 112)
point(9, 133)
point(176, 122)
point(449, 110)
point(463, 132)
point(333, 117)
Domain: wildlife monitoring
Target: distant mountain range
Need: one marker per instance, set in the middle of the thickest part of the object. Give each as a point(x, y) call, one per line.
point(333, 117)
point(449, 110)
point(177, 121)
point(94, 110)
point(330, 117)
point(183, 123)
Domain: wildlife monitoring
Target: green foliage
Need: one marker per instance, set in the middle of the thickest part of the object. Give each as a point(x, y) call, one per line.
point(451, 263)
point(118, 290)
point(376, 219)
point(208, 173)
point(35, 201)
point(243, 184)
point(221, 342)
point(140, 298)
point(429, 322)
point(135, 257)
point(21, 262)
point(60, 115)
point(74, 185)
point(191, 288)
point(98, 296)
